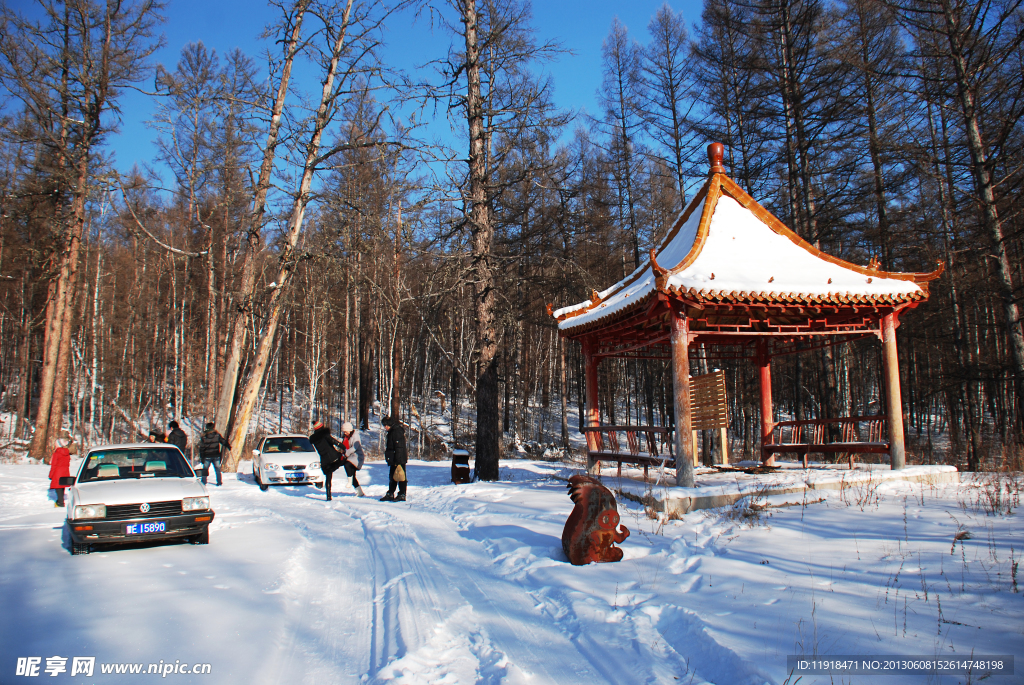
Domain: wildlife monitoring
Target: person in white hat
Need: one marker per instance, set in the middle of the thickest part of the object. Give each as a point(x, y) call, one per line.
point(353, 454)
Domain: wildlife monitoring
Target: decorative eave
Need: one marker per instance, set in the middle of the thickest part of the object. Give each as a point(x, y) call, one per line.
point(651, 278)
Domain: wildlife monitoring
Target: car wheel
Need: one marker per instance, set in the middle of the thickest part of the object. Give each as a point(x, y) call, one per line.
point(203, 538)
point(318, 485)
point(259, 481)
point(77, 548)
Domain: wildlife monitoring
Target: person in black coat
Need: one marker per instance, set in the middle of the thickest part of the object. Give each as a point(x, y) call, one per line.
point(395, 454)
point(330, 458)
point(177, 437)
point(210, 451)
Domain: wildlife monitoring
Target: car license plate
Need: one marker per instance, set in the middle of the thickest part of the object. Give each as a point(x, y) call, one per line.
point(295, 476)
point(145, 527)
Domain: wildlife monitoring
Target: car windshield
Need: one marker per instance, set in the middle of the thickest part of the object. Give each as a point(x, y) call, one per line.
point(299, 444)
point(112, 464)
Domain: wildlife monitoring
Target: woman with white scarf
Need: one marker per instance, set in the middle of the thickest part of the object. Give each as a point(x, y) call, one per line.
point(353, 449)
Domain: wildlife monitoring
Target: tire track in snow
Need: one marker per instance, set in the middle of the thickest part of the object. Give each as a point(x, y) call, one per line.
point(500, 608)
point(412, 604)
point(326, 607)
point(621, 642)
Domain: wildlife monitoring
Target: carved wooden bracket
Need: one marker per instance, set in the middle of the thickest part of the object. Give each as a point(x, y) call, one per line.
point(660, 274)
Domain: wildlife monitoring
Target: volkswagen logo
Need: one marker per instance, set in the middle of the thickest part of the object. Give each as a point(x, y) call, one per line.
point(144, 508)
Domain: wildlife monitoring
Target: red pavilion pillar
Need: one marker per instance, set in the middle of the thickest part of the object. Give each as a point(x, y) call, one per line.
point(593, 411)
point(893, 397)
point(764, 363)
point(684, 447)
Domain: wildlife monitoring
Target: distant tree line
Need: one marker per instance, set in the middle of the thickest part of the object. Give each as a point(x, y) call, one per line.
point(297, 252)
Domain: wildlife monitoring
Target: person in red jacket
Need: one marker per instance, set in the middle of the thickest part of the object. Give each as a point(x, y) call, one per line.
point(60, 465)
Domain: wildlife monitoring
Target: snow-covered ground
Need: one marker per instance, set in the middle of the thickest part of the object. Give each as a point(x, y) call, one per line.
point(468, 584)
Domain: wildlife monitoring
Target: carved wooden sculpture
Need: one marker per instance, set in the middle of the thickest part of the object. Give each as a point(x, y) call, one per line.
point(589, 533)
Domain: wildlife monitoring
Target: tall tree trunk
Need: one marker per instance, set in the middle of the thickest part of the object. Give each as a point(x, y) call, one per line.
point(488, 438)
point(50, 417)
point(981, 172)
point(24, 361)
point(254, 240)
point(396, 361)
point(251, 392)
point(346, 359)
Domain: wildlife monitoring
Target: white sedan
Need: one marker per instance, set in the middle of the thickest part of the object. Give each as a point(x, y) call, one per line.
point(142, 491)
point(286, 459)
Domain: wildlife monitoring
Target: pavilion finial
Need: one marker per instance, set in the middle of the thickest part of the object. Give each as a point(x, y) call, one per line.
point(716, 153)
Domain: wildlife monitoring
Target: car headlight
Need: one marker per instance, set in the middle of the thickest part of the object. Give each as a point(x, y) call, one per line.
point(271, 467)
point(195, 503)
point(313, 465)
point(90, 511)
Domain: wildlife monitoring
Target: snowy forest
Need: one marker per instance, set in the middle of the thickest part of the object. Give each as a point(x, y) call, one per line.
point(306, 244)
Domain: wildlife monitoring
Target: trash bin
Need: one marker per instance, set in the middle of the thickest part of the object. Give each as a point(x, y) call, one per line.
point(460, 466)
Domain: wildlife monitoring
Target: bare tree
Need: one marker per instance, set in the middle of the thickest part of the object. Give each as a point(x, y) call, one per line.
point(981, 42)
point(667, 78)
point(487, 80)
point(68, 71)
point(349, 33)
point(290, 29)
point(731, 90)
point(622, 95)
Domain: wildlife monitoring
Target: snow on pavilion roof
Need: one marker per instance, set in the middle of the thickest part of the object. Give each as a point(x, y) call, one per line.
point(727, 248)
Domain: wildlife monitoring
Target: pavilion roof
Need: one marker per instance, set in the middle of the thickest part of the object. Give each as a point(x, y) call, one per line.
point(726, 248)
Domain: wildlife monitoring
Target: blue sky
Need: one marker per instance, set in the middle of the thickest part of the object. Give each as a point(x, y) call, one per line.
point(581, 27)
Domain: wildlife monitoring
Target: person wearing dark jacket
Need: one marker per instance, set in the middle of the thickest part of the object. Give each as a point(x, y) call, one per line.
point(330, 458)
point(396, 455)
point(177, 437)
point(210, 451)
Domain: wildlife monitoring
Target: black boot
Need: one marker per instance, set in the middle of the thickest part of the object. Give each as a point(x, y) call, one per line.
point(388, 498)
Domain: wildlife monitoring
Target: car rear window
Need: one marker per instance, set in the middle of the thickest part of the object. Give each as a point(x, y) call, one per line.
point(113, 464)
point(274, 445)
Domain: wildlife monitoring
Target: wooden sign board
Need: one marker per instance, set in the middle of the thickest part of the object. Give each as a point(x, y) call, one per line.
point(708, 406)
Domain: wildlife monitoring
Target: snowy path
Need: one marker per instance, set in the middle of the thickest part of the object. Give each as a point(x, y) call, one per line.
point(468, 584)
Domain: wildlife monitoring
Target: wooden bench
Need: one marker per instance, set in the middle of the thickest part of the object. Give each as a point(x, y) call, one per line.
point(810, 435)
point(641, 446)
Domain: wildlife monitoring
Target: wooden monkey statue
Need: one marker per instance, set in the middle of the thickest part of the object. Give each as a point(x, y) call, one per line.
point(589, 533)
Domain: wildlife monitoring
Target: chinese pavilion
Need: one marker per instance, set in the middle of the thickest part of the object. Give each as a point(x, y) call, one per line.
point(730, 275)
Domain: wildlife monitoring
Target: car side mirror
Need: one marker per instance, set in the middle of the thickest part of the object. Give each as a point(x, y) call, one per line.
point(255, 453)
point(66, 480)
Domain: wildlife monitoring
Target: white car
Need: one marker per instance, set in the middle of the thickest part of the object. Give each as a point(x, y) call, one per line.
point(141, 491)
point(286, 459)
